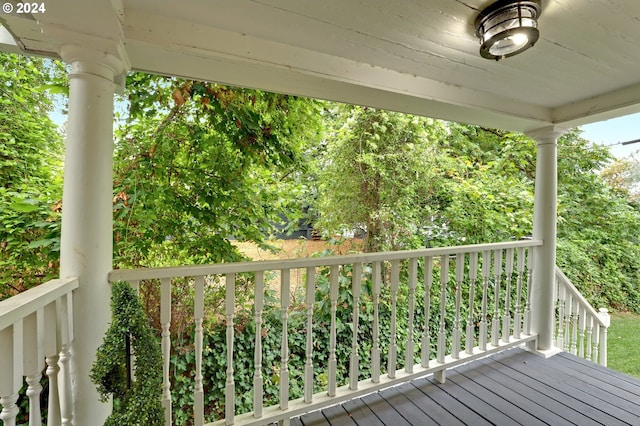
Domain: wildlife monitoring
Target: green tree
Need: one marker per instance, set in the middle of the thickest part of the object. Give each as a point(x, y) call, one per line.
point(623, 175)
point(198, 164)
point(378, 175)
point(488, 193)
point(598, 228)
point(30, 175)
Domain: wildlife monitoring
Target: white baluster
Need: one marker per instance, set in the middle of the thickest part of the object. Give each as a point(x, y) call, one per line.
point(527, 307)
point(426, 335)
point(52, 347)
point(308, 367)
point(258, 381)
point(393, 347)
point(581, 330)
point(64, 307)
point(354, 364)
point(457, 332)
point(11, 345)
point(65, 386)
point(603, 314)
point(486, 272)
point(198, 313)
point(556, 320)
point(53, 409)
point(497, 278)
point(567, 322)
point(506, 318)
point(165, 320)
point(375, 349)
point(561, 318)
point(135, 285)
point(589, 338)
point(517, 327)
point(574, 323)
point(9, 409)
point(285, 294)
point(473, 276)
point(595, 342)
point(230, 387)
point(410, 349)
point(33, 354)
point(34, 389)
point(442, 331)
point(333, 363)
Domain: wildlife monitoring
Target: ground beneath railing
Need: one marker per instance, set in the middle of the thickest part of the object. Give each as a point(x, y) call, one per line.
point(293, 249)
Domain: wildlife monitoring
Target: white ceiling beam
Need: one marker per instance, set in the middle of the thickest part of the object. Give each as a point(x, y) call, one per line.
point(609, 105)
point(177, 47)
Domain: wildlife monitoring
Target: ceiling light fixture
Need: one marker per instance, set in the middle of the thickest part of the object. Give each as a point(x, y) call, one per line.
point(508, 27)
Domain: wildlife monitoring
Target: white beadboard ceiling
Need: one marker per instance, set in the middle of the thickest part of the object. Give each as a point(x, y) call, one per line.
point(416, 56)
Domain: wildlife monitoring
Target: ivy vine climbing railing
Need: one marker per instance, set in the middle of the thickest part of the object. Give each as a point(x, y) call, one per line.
point(404, 314)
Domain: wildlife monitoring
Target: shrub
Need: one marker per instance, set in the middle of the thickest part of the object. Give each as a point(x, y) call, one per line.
point(136, 402)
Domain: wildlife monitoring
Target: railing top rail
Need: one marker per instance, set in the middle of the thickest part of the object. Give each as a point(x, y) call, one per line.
point(28, 302)
point(269, 265)
point(562, 278)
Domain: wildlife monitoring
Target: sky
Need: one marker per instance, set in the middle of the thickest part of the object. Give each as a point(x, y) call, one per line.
point(612, 132)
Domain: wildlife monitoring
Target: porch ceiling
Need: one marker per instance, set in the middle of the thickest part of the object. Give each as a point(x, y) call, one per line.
point(407, 55)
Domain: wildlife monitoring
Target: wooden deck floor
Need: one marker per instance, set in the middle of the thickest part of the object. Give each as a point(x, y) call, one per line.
point(508, 388)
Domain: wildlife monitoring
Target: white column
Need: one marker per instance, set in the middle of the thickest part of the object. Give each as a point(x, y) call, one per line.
point(86, 242)
point(544, 228)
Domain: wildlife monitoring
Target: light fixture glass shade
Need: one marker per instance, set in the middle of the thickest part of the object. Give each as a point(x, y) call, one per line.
point(507, 28)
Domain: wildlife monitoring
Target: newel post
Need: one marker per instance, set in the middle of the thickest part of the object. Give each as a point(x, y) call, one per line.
point(544, 228)
point(603, 314)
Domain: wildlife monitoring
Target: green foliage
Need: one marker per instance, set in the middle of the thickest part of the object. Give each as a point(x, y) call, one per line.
point(199, 163)
point(623, 176)
point(30, 176)
point(488, 194)
point(139, 404)
point(377, 176)
point(598, 228)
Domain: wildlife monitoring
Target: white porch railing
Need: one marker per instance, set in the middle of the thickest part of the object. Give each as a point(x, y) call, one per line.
point(475, 301)
point(36, 331)
point(579, 328)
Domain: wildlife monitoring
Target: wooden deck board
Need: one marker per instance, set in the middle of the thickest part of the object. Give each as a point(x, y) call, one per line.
point(435, 411)
point(407, 408)
point(384, 411)
point(616, 401)
point(338, 416)
point(471, 400)
point(598, 405)
point(315, 418)
point(361, 413)
point(532, 411)
point(508, 388)
point(456, 408)
point(537, 395)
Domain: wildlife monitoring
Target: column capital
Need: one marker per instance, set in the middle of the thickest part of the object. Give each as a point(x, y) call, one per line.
point(547, 135)
point(104, 57)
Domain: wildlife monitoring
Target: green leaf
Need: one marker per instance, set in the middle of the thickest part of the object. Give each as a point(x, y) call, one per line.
point(42, 243)
point(24, 206)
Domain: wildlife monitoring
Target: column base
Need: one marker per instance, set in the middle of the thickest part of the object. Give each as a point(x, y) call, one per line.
point(544, 353)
